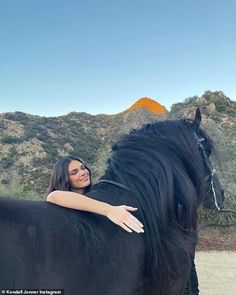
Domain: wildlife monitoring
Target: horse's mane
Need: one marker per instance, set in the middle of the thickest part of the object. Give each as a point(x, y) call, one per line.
point(161, 164)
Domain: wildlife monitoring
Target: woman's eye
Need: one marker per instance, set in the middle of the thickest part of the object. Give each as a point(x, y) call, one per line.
point(82, 167)
point(73, 172)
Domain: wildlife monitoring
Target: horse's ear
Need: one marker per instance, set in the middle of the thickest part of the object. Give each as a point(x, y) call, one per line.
point(197, 119)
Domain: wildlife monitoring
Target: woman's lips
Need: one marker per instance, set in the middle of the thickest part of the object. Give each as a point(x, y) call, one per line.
point(85, 178)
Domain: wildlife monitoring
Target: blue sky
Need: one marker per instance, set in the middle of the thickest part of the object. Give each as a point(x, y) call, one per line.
point(100, 56)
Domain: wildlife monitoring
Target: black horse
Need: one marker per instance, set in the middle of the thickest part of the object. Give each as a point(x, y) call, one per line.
point(163, 169)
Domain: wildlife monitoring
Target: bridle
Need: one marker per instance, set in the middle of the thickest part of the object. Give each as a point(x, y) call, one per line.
point(116, 184)
point(210, 168)
point(212, 171)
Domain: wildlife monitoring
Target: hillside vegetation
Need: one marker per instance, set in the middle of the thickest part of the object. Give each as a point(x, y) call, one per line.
point(30, 145)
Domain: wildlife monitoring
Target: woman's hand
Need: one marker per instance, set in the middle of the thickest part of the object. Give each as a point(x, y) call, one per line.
point(120, 215)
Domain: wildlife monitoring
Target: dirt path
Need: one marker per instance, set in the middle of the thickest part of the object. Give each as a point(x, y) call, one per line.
point(216, 272)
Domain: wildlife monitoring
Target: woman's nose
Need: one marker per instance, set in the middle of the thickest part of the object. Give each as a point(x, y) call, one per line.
point(82, 173)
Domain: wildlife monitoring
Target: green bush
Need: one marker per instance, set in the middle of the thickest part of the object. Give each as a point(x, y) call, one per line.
point(19, 192)
point(5, 181)
point(9, 139)
point(7, 162)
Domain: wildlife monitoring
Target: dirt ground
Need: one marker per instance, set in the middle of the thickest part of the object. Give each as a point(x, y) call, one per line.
point(216, 272)
point(217, 238)
point(216, 260)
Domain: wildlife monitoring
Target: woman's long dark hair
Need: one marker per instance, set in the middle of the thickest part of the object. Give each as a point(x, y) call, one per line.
point(59, 177)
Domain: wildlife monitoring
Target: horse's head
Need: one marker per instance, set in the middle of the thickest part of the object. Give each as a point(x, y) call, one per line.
point(213, 193)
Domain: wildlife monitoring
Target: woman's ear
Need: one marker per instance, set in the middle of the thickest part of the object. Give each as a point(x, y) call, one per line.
point(197, 119)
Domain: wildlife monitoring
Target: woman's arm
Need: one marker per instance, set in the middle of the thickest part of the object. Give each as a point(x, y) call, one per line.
point(117, 214)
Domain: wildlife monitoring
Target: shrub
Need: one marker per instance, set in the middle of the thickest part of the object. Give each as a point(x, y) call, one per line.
point(9, 139)
point(7, 162)
point(19, 192)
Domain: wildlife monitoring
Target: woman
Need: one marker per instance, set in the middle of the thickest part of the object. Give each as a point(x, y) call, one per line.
point(71, 179)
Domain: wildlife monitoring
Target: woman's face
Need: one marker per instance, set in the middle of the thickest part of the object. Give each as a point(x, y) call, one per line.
point(79, 176)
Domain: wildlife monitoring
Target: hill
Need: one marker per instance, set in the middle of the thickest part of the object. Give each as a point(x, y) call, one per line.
point(30, 145)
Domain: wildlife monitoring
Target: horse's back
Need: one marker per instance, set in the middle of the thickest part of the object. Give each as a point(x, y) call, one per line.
point(30, 232)
point(47, 246)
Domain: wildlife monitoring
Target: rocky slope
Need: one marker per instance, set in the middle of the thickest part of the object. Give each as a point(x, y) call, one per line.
point(30, 145)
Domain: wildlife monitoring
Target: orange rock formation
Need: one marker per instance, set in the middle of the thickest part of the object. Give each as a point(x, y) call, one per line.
point(150, 105)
